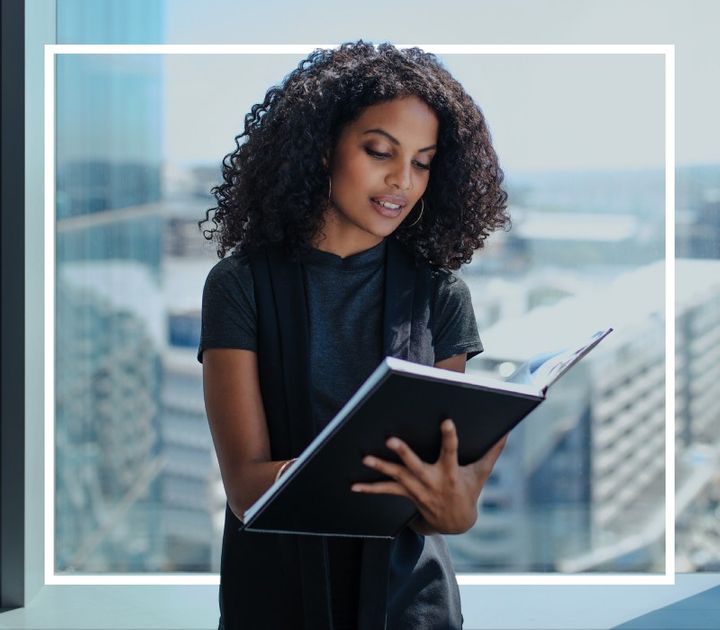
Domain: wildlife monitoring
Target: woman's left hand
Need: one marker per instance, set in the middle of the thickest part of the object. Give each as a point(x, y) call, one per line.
point(445, 493)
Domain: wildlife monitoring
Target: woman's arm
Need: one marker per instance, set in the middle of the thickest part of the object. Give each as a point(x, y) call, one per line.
point(235, 411)
point(456, 363)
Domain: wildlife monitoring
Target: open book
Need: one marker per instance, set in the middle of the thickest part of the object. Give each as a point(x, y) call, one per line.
point(409, 401)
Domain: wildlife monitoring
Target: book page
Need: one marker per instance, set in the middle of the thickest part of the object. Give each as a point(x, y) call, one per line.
point(544, 369)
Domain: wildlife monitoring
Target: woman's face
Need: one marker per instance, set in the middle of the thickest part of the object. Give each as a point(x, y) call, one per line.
point(382, 156)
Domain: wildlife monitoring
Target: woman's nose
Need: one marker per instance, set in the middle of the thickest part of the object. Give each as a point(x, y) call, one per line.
point(401, 176)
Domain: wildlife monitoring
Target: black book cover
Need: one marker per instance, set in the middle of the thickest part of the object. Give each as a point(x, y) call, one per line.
point(409, 401)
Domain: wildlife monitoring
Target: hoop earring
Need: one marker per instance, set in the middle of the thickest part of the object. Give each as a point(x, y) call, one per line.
point(422, 208)
point(329, 189)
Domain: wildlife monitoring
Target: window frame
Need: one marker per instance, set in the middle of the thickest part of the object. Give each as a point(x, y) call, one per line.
point(53, 51)
point(12, 248)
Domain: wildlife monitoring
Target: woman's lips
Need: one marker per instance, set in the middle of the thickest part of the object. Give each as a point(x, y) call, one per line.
point(386, 212)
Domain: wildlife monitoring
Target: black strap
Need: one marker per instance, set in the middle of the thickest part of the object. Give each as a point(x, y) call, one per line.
point(290, 310)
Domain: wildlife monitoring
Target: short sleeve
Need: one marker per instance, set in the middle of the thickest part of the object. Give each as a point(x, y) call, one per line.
point(229, 315)
point(455, 327)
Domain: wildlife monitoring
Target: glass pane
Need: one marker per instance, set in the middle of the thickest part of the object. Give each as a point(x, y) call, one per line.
point(139, 146)
point(110, 314)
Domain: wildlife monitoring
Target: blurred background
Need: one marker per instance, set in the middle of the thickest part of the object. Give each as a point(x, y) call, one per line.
point(581, 138)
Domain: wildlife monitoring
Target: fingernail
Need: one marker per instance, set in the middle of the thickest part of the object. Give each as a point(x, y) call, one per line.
point(369, 461)
point(393, 442)
point(355, 488)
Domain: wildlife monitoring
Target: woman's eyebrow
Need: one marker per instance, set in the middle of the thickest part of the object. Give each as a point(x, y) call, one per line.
point(395, 140)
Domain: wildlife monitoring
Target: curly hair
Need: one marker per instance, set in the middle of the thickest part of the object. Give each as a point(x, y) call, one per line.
point(275, 182)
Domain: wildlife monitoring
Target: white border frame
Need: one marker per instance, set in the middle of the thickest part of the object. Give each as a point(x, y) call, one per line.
point(666, 50)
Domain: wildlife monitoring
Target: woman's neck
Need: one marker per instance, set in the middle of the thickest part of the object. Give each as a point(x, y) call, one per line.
point(344, 239)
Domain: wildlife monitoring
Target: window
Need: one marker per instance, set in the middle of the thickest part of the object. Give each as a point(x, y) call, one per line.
point(109, 212)
point(130, 275)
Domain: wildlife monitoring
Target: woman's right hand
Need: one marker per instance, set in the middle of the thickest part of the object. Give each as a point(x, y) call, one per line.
point(446, 494)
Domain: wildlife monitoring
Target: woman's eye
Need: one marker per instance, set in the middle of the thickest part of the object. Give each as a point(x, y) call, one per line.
point(380, 156)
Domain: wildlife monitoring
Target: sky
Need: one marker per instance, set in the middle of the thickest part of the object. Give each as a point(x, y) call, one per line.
point(556, 112)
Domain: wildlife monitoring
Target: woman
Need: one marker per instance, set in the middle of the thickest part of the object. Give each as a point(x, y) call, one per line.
point(355, 190)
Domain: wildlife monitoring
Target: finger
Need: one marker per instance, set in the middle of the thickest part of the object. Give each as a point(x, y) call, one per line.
point(416, 465)
point(382, 487)
point(397, 472)
point(486, 463)
point(496, 449)
point(449, 449)
point(502, 441)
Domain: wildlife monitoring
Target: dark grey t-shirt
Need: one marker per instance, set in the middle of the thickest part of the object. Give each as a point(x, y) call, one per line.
point(345, 307)
point(345, 313)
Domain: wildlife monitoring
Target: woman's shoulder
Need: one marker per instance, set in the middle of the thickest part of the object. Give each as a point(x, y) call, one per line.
point(449, 285)
point(439, 278)
point(228, 307)
point(234, 262)
point(231, 272)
